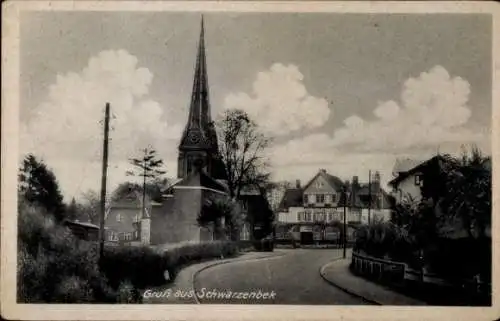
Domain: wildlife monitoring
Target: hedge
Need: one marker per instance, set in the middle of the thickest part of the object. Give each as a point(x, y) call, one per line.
point(145, 266)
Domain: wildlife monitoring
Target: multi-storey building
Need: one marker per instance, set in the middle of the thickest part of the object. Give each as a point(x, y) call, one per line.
point(325, 199)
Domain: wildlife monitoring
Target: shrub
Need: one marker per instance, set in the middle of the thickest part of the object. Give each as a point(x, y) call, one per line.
point(385, 240)
point(145, 266)
point(73, 289)
point(53, 265)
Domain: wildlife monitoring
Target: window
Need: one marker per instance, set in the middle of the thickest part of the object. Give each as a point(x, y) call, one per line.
point(306, 200)
point(334, 198)
point(118, 217)
point(418, 180)
point(320, 198)
point(319, 184)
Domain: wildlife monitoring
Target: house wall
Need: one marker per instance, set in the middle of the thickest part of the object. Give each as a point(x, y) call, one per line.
point(375, 215)
point(407, 187)
point(187, 206)
point(122, 228)
point(161, 222)
point(328, 214)
point(177, 219)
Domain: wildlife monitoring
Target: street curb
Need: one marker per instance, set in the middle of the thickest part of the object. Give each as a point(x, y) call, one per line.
point(322, 274)
point(226, 262)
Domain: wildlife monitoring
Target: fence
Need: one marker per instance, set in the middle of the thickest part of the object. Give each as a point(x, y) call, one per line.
point(401, 275)
point(384, 270)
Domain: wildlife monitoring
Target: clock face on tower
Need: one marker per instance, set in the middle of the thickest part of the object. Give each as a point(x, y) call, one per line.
point(194, 138)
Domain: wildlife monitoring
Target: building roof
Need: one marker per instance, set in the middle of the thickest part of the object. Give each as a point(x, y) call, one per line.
point(405, 164)
point(334, 182)
point(201, 179)
point(291, 198)
point(82, 224)
point(438, 159)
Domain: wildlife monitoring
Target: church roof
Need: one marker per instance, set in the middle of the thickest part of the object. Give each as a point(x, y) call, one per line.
point(201, 179)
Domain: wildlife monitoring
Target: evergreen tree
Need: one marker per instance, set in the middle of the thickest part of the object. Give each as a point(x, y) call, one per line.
point(38, 185)
point(148, 166)
point(72, 210)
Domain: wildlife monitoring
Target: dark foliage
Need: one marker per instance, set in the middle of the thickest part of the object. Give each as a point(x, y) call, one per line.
point(38, 185)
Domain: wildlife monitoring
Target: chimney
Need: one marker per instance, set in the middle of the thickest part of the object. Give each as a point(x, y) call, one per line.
point(355, 181)
point(322, 170)
point(297, 183)
point(376, 182)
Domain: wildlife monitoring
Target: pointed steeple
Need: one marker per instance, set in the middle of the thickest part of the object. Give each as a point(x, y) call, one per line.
point(199, 107)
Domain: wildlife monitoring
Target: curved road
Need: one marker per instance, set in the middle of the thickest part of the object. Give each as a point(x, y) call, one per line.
point(294, 278)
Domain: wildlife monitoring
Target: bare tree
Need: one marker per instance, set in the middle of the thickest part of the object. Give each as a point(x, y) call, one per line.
point(242, 149)
point(88, 208)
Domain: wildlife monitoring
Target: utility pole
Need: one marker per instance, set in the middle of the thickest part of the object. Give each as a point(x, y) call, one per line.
point(144, 185)
point(103, 181)
point(369, 194)
point(344, 227)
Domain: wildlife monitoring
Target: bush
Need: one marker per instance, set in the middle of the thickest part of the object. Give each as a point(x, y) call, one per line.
point(385, 240)
point(144, 266)
point(264, 245)
point(53, 265)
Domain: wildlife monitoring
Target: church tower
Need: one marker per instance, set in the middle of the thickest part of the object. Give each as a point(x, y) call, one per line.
point(198, 148)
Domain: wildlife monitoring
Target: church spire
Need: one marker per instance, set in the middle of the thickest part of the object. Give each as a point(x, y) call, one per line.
point(199, 110)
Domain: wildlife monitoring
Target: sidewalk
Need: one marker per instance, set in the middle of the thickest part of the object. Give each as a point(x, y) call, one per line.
point(181, 290)
point(338, 274)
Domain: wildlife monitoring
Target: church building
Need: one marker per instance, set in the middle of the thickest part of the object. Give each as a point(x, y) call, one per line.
point(201, 177)
point(200, 169)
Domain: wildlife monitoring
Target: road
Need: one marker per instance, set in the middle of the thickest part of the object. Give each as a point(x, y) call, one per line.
point(290, 279)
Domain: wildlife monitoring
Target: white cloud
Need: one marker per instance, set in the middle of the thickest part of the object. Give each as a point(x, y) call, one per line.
point(432, 111)
point(431, 116)
point(66, 129)
point(280, 103)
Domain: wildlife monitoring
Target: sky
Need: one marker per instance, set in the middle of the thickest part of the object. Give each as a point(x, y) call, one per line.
point(347, 93)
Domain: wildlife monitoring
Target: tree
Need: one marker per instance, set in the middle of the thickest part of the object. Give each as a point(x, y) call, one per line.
point(242, 150)
point(216, 211)
point(88, 209)
point(468, 196)
point(38, 185)
point(72, 210)
point(260, 215)
point(147, 167)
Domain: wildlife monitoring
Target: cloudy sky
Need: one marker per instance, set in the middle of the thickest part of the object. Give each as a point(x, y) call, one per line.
point(344, 92)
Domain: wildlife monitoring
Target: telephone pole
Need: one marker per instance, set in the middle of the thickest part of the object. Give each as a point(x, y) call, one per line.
point(344, 227)
point(103, 181)
point(369, 194)
point(144, 174)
